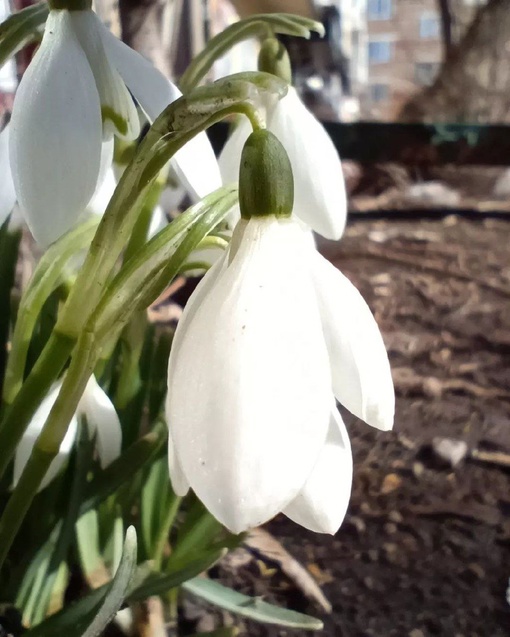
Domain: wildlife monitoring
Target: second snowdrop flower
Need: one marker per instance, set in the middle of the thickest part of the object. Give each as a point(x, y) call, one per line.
point(320, 197)
point(73, 97)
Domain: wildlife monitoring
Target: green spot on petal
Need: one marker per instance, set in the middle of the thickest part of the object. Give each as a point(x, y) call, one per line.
point(121, 124)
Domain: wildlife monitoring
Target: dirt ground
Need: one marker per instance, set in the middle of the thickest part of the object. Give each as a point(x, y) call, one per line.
point(425, 547)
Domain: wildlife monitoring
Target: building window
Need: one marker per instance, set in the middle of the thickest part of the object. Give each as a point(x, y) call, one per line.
point(380, 51)
point(429, 26)
point(379, 92)
point(425, 73)
point(379, 9)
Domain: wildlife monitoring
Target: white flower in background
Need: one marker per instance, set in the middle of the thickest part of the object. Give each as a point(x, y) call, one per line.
point(7, 193)
point(319, 189)
point(73, 97)
point(102, 421)
point(272, 334)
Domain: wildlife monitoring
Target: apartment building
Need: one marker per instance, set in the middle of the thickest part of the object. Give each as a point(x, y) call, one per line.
point(405, 50)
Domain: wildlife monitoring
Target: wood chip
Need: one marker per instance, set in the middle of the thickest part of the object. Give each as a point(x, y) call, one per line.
point(266, 546)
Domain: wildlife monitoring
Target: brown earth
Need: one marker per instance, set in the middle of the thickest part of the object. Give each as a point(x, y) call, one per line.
point(424, 550)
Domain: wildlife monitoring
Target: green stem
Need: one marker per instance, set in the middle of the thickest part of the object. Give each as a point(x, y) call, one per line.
point(9, 246)
point(140, 231)
point(47, 444)
point(44, 373)
point(164, 532)
point(44, 281)
point(218, 46)
point(257, 26)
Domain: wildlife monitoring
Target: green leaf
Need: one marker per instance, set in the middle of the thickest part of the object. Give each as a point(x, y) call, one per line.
point(119, 587)
point(250, 607)
point(90, 615)
point(9, 244)
point(159, 584)
point(20, 28)
point(145, 276)
point(124, 468)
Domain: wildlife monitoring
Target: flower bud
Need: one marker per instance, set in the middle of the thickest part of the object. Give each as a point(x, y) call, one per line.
point(266, 184)
point(273, 58)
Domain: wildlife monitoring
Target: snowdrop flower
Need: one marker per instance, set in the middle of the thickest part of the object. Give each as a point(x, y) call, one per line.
point(271, 336)
point(102, 421)
point(74, 96)
point(7, 193)
point(320, 198)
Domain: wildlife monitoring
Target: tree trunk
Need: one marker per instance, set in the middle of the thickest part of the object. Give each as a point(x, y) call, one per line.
point(146, 27)
point(473, 84)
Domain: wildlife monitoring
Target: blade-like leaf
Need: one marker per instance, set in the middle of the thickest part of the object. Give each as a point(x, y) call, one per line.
point(250, 607)
point(89, 616)
point(119, 587)
point(158, 584)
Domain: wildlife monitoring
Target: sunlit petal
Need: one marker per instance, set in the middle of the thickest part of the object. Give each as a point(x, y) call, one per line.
point(56, 132)
point(360, 368)
point(102, 419)
point(117, 106)
point(7, 193)
point(268, 396)
point(319, 188)
point(322, 503)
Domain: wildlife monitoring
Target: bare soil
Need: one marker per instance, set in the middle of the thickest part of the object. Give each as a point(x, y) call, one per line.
point(425, 548)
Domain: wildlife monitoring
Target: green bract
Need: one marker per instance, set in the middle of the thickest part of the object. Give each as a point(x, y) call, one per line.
point(266, 185)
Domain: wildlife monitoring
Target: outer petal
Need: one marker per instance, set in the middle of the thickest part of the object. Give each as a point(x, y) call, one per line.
point(106, 182)
point(319, 188)
point(322, 503)
point(31, 434)
point(117, 106)
point(179, 482)
point(230, 157)
point(102, 419)
point(56, 133)
point(195, 164)
point(180, 485)
point(249, 382)
point(359, 362)
point(7, 193)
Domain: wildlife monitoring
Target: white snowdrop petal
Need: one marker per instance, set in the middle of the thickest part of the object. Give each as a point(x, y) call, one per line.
point(117, 106)
point(55, 140)
point(230, 157)
point(24, 449)
point(359, 362)
point(249, 384)
point(179, 483)
point(7, 193)
point(158, 222)
point(322, 503)
point(197, 168)
point(319, 188)
point(195, 163)
point(150, 87)
point(102, 419)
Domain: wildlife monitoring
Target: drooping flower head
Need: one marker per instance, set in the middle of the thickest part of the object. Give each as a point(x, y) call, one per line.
point(75, 95)
point(271, 336)
point(320, 196)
